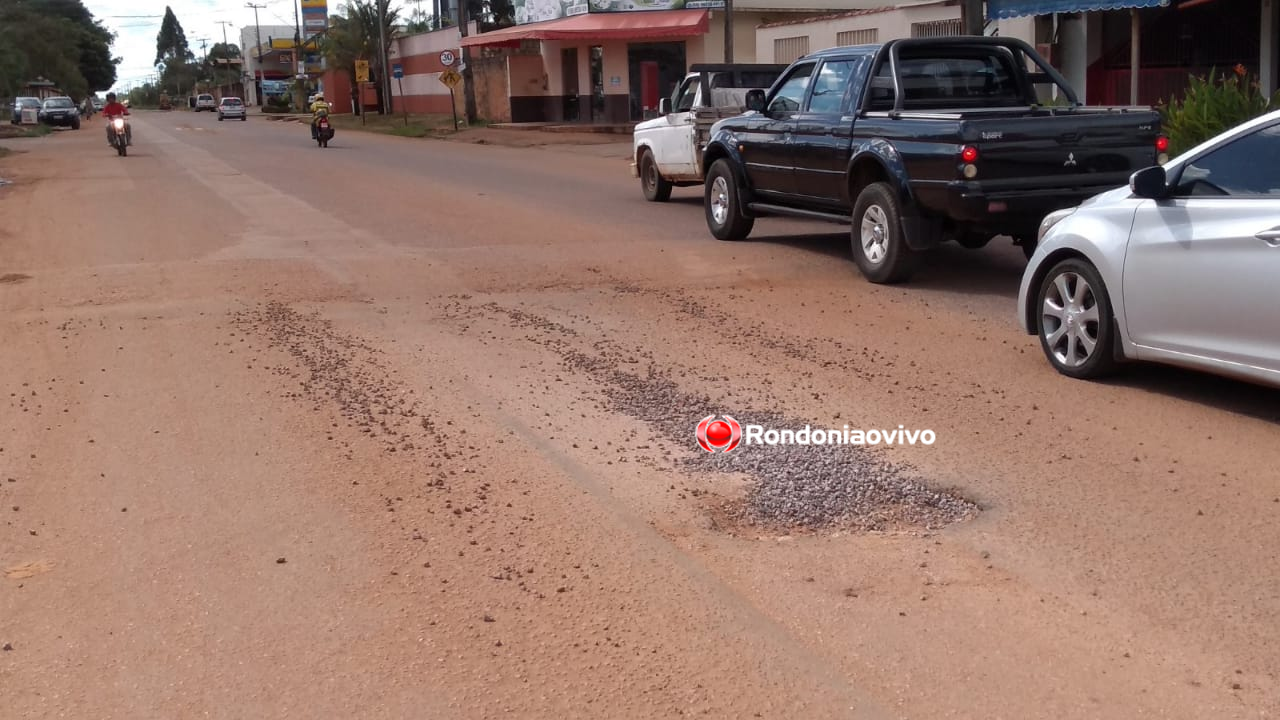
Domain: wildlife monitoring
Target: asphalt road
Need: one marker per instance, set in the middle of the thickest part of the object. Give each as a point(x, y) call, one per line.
point(404, 428)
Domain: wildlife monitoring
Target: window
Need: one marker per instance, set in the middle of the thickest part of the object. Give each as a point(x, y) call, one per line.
point(966, 78)
point(686, 95)
point(790, 95)
point(1247, 166)
point(830, 85)
point(858, 37)
point(937, 28)
point(789, 49)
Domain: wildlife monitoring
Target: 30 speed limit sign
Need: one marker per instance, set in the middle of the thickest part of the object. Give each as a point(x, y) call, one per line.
point(447, 58)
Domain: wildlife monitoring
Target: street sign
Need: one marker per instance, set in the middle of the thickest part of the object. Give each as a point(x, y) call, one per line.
point(451, 78)
point(362, 71)
point(447, 58)
point(397, 71)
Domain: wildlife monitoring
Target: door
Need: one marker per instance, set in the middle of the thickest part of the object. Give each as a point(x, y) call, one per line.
point(675, 139)
point(648, 88)
point(823, 132)
point(767, 147)
point(1202, 268)
point(569, 81)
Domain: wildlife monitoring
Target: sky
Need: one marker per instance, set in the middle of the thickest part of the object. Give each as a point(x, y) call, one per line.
point(137, 22)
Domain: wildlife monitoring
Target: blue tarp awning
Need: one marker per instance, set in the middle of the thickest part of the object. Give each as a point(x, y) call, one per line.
point(1003, 9)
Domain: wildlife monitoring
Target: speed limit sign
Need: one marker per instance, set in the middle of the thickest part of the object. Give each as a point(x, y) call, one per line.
point(447, 58)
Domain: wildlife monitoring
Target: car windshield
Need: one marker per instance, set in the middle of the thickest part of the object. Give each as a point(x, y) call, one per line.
point(231, 101)
point(206, 97)
point(59, 103)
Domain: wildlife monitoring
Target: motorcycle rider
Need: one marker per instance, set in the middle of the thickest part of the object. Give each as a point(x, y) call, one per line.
point(319, 108)
point(114, 109)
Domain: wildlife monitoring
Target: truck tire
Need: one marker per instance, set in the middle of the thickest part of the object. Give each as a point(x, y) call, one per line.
point(656, 188)
point(879, 244)
point(723, 203)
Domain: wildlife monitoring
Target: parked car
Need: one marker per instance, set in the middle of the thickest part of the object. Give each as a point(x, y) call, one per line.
point(667, 150)
point(206, 102)
point(232, 107)
point(1179, 267)
point(61, 112)
point(918, 141)
point(21, 104)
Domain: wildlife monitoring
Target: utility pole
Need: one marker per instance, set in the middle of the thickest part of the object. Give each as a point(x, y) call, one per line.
point(257, 63)
point(226, 55)
point(384, 74)
point(971, 20)
point(728, 31)
point(468, 87)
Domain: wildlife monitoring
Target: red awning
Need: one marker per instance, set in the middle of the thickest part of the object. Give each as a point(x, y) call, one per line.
point(639, 25)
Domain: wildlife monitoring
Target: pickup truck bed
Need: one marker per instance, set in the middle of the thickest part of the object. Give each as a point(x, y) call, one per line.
point(920, 141)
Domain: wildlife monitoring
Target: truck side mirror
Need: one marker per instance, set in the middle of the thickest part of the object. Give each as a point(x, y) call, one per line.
point(755, 100)
point(664, 106)
point(1151, 182)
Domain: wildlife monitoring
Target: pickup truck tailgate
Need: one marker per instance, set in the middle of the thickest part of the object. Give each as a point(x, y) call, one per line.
point(1062, 150)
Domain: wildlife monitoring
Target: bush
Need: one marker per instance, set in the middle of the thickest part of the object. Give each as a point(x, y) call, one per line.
point(1213, 105)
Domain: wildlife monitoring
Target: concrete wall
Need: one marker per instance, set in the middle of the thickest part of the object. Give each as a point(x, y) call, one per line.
point(420, 90)
point(889, 24)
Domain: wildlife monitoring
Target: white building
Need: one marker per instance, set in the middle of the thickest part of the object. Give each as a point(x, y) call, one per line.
point(784, 40)
point(248, 41)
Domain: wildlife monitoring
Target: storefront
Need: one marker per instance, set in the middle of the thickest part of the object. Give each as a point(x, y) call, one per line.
point(1142, 51)
point(609, 62)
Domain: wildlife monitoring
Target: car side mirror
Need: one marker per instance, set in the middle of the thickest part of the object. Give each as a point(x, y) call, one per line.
point(1151, 182)
point(755, 100)
point(664, 106)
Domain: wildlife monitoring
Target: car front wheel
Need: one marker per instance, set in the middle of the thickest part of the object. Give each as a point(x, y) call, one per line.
point(1075, 322)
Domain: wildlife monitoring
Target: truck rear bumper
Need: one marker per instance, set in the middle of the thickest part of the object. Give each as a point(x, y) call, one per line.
point(1013, 211)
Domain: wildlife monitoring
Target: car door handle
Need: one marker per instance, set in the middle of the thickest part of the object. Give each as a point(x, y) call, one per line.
point(1271, 237)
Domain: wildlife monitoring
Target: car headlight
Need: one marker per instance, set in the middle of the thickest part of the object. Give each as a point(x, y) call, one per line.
point(1050, 220)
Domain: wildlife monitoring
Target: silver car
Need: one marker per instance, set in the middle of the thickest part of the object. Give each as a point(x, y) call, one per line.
point(1180, 267)
point(232, 107)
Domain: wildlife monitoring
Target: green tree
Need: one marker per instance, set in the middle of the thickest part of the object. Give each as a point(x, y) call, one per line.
point(93, 40)
point(171, 42)
point(59, 40)
point(353, 35)
point(216, 62)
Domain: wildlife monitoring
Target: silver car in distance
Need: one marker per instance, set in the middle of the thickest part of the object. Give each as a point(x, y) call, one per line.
point(1182, 267)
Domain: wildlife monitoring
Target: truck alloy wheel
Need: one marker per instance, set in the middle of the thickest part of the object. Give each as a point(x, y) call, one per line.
point(879, 245)
point(723, 204)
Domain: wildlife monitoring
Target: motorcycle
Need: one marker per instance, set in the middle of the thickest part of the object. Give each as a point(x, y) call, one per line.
point(322, 131)
point(120, 135)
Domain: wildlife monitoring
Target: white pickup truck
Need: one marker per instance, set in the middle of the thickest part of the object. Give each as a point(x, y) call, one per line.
point(667, 151)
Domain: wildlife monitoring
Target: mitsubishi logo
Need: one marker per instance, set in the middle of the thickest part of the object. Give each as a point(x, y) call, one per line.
point(1071, 160)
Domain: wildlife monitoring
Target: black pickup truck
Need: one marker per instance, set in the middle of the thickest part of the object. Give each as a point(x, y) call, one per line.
point(919, 141)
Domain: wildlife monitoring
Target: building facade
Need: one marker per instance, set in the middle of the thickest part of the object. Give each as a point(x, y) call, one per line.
point(611, 61)
point(1142, 52)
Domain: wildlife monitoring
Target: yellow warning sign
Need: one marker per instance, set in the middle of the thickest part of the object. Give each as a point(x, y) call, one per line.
point(451, 78)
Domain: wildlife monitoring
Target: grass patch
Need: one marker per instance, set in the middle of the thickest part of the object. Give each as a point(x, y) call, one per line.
point(8, 130)
point(418, 126)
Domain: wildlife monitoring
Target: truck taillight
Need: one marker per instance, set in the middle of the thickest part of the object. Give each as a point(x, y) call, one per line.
point(969, 154)
point(1162, 143)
